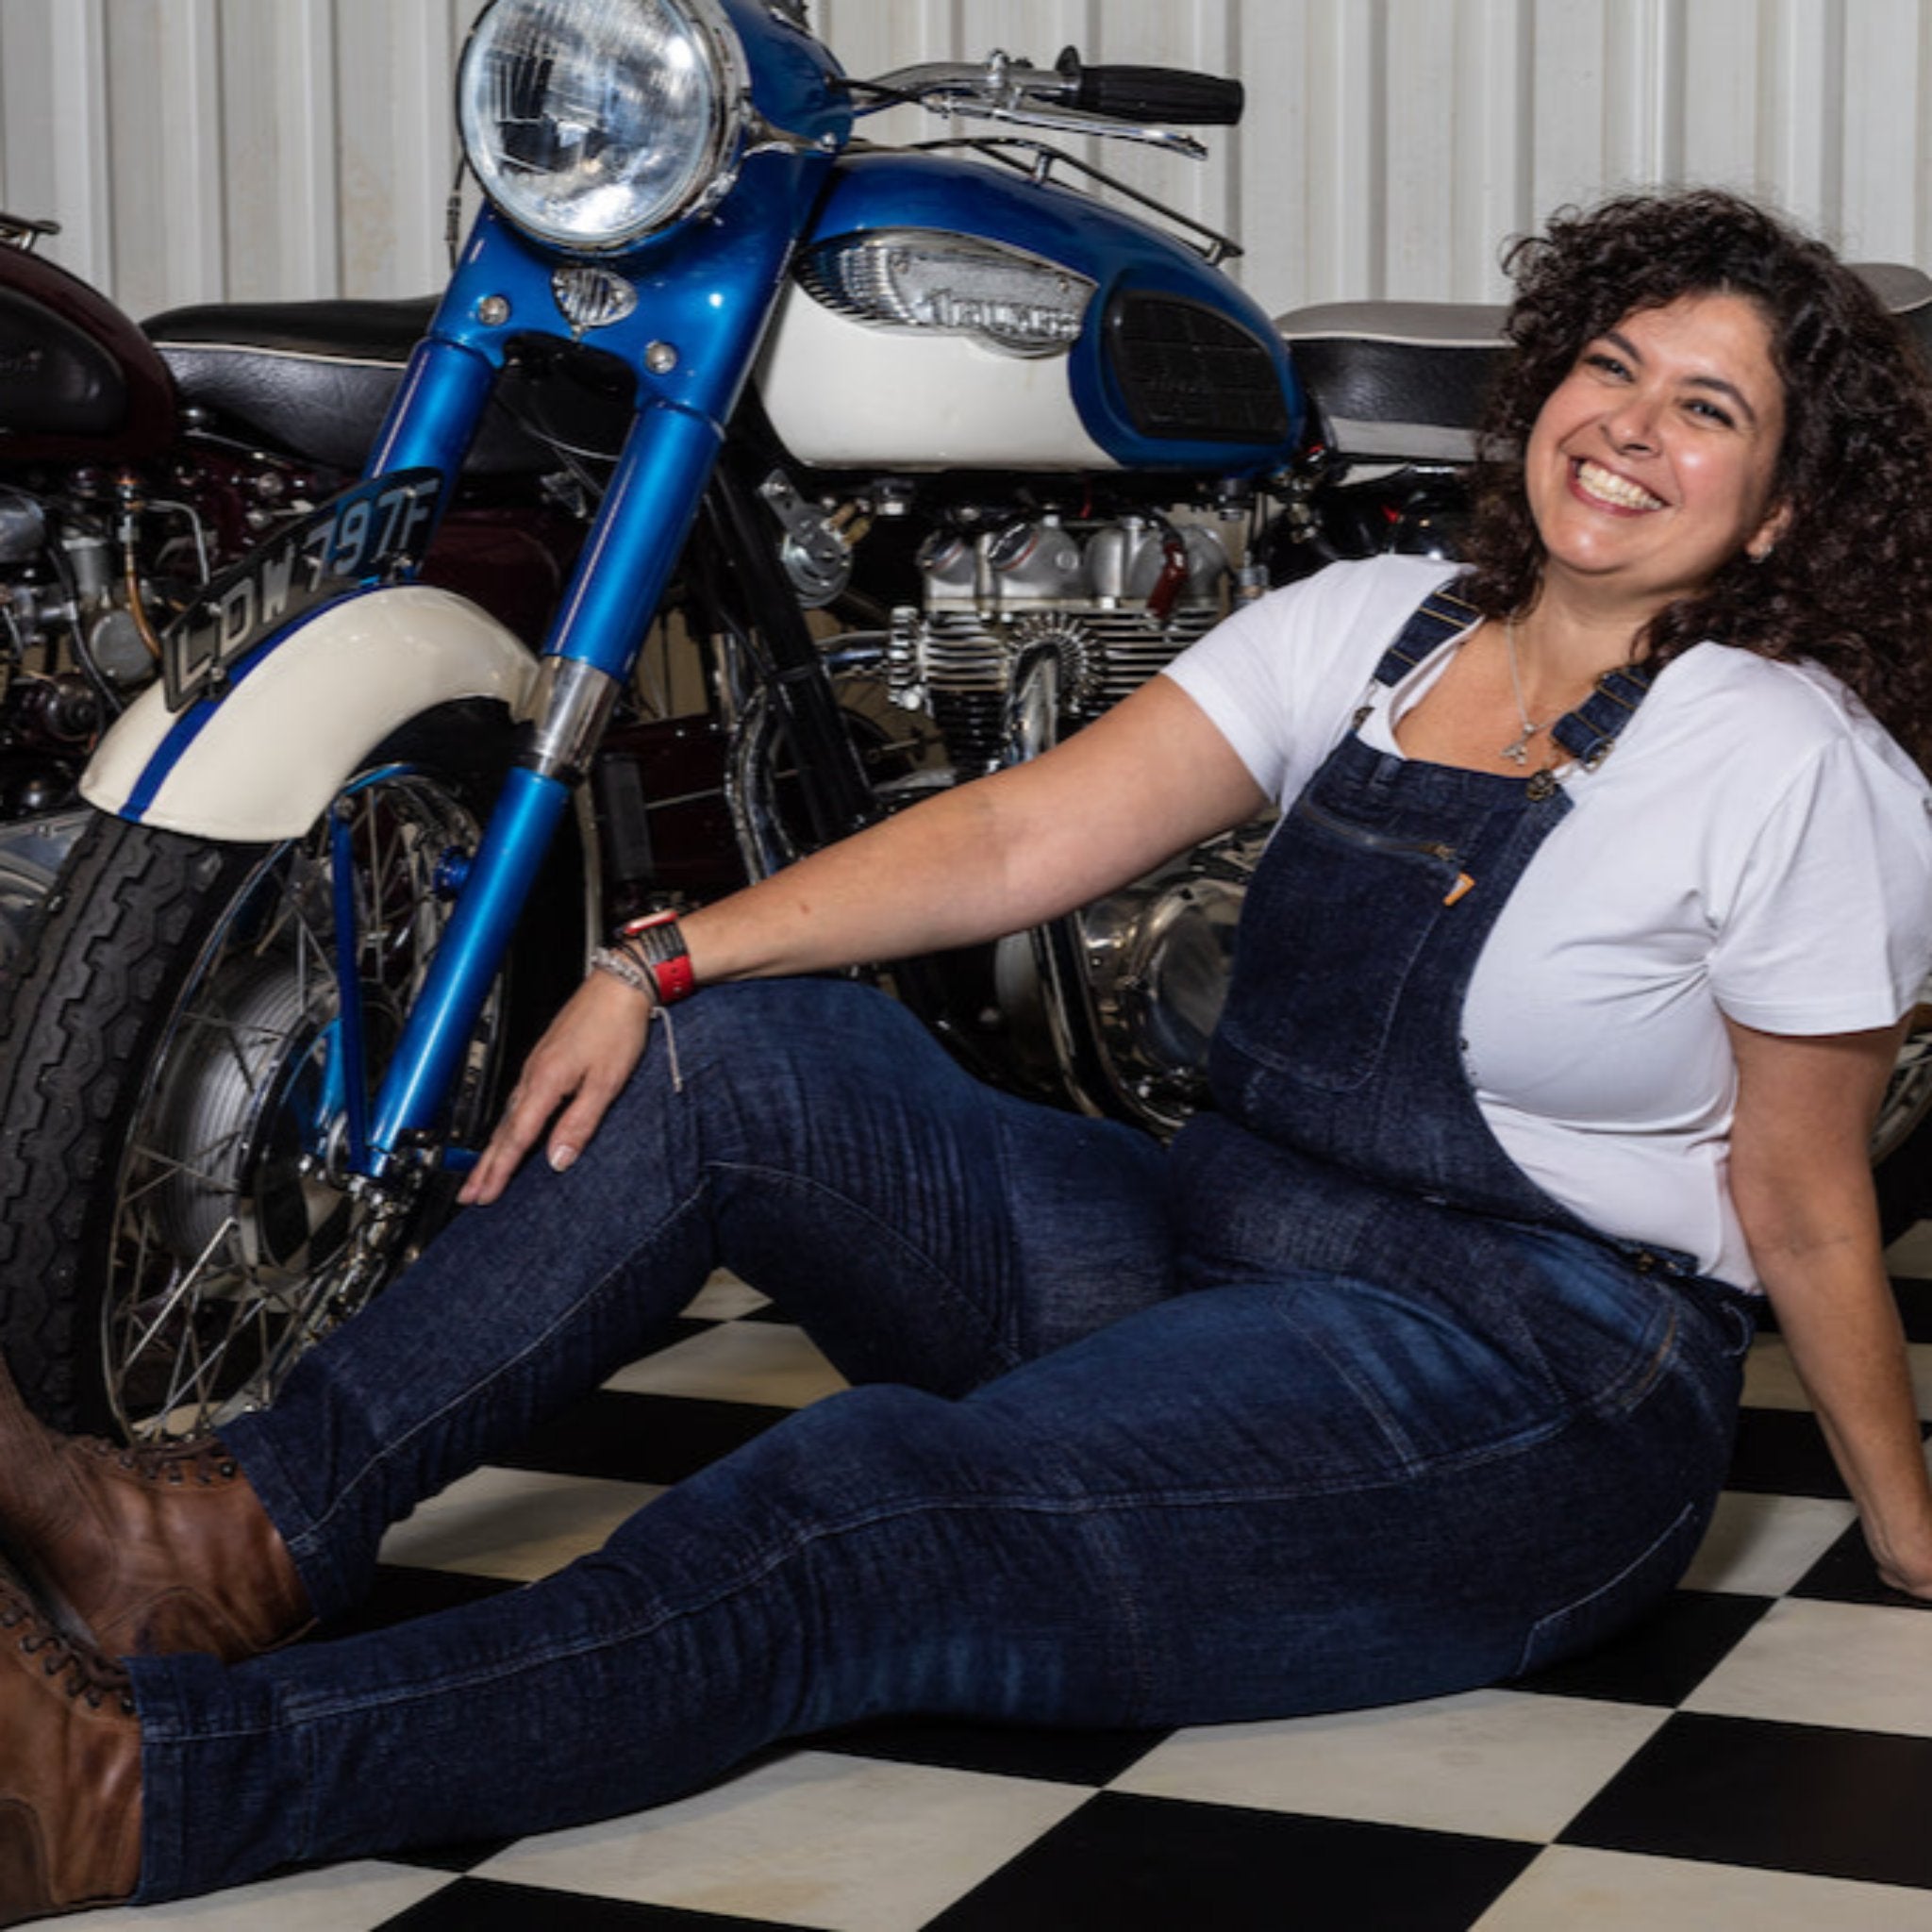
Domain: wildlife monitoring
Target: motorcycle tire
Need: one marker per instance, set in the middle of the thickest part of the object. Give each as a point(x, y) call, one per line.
point(175, 1224)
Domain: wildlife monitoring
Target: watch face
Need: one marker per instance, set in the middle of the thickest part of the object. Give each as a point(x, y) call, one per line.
point(656, 937)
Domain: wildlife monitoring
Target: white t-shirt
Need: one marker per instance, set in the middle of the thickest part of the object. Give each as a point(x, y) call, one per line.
point(1756, 846)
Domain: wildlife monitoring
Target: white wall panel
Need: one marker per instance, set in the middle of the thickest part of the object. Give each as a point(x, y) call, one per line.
point(278, 171)
point(199, 150)
point(165, 164)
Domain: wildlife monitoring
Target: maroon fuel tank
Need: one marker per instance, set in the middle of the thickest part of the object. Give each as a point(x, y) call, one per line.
point(79, 380)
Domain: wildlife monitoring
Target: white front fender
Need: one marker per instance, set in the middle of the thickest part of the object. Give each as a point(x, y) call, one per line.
point(263, 761)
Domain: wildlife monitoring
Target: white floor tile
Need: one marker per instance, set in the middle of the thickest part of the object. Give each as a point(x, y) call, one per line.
point(1572, 1889)
point(725, 1298)
point(1771, 1381)
point(815, 1840)
point(1496, 1763)
point(1862, 1666)
point(1761, 1545)
point(513, 1522)
point(1911, 1253)
point(341, 1898)
point(765, 1362)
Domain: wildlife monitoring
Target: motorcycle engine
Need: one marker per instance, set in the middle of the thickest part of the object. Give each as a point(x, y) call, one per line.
point(1027, 630)
point(94, 560)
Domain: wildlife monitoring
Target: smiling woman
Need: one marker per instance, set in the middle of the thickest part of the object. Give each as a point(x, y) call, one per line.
point(1849, 575)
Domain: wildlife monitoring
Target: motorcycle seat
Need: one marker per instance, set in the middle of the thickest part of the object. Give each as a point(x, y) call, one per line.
point(1907, 293)
point(1397, 382)
point(315, 378)
point(1404, 382)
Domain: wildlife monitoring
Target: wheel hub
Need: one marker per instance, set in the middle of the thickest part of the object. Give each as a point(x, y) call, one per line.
point(255, 1108)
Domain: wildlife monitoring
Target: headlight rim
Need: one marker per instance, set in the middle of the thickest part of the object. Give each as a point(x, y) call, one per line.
point(727, 136)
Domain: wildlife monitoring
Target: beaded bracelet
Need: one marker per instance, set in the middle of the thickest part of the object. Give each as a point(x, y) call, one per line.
point(622, 966)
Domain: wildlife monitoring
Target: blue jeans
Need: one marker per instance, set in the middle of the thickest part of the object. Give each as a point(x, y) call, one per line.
point(1141, 1439)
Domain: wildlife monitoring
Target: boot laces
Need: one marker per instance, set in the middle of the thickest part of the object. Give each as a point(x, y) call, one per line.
point(87, 1674)
point(197, 1458)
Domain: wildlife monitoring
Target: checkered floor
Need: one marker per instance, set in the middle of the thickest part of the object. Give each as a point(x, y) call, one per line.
point(1758, 1756)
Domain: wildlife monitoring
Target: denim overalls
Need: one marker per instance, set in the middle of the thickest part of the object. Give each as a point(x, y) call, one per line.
point(1330, 1406)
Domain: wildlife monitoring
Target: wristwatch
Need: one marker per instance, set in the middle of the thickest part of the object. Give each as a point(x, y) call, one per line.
point(656, 942)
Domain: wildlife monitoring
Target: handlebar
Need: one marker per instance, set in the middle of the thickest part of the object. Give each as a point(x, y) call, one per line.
point(1153, 94)
point(1130, 103)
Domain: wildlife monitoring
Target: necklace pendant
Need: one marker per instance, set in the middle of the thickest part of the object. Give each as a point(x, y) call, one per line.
point(1518, 753)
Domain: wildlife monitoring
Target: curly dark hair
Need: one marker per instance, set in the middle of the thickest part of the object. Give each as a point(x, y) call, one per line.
point(1849, 583)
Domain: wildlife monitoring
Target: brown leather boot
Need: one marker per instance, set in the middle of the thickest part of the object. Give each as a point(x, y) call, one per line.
point(70, 1771)
point(144, 1550)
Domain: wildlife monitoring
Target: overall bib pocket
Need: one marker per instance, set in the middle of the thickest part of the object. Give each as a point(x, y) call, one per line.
point(1318, 1009)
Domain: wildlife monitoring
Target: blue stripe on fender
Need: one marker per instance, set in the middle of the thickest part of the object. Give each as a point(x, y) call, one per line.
point(189, 726)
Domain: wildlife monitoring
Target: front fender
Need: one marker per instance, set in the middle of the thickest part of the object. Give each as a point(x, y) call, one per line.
point(263, 760)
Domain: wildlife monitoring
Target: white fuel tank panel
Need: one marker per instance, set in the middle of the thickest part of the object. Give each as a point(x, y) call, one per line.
point(846, 394)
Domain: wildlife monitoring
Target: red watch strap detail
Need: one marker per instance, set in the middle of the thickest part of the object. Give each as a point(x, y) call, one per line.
point(657, 944)
point(675, 980)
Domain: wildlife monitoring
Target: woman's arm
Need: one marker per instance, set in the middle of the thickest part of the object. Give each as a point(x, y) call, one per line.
point(1148, 779)
point(1801, 1177)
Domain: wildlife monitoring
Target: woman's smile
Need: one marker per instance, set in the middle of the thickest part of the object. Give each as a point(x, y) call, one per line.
point(1595, 484)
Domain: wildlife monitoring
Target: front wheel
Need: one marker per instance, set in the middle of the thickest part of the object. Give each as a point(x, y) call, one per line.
point(179, 1221)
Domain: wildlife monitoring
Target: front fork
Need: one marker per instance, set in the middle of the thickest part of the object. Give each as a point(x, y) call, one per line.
point(666, 460)
point(669, 458)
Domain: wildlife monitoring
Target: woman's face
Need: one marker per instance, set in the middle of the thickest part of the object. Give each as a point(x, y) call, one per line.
point(1650, 465)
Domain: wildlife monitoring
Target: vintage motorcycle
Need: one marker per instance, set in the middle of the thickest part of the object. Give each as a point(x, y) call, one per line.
point(128, 482)
point(898, 464)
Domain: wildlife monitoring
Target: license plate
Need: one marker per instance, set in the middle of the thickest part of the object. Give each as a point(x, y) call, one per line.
point(376, 531)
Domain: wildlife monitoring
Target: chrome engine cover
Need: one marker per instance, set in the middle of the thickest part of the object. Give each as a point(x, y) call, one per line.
point(1028, 629)
point(1102, 607)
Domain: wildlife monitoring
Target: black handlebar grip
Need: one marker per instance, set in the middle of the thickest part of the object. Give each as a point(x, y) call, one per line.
point(1155, 93)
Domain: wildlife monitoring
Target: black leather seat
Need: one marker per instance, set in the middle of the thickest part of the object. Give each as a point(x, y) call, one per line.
point(1398, 381)
point(315, 378)
point(1405, 382)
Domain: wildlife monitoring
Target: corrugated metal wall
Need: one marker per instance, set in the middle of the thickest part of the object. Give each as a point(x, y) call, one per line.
point(203, 149)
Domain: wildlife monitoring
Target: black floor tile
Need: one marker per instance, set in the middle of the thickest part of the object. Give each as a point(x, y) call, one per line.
point(1661, 1659)
point(1914, 1307)
point(1075, 1757)
point(474, 1905)
point(1846, 1574)
point(400, 1592)
point(1787, 1797)
point(641, 1438)
point(1781, 1452)
point(1132, 1864)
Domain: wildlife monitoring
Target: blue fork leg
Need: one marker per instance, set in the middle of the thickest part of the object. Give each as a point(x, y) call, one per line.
point(647, 515)
point(355, 1081)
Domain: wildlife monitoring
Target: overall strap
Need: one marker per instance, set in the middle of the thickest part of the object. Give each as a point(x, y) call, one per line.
point(1442, 615)
point(1590, 731)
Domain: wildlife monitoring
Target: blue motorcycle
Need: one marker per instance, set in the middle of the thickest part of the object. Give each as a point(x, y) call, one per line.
point(892, 465)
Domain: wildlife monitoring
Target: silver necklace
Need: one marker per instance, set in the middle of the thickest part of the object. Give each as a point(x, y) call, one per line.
point(1518, 752)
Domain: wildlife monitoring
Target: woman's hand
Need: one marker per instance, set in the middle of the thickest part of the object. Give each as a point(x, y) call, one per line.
point(1915, 1581)
point(580, 1065)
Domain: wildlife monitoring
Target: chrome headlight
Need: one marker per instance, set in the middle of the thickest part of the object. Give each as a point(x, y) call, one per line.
point(593, 124)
